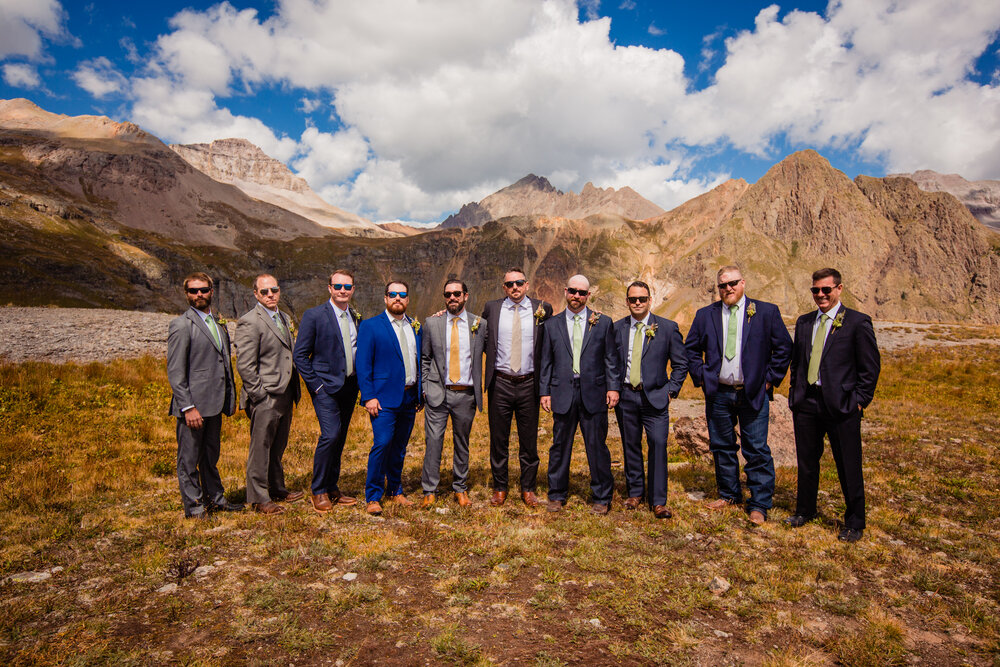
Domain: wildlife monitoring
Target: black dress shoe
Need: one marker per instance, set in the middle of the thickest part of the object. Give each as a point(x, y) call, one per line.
point(799, 520)
point(850, 534)
point(226, 507)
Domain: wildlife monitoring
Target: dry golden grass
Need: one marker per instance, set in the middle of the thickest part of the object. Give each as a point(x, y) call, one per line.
point(87, 462)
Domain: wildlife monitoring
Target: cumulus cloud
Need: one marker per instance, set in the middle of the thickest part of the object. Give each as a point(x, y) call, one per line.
point(21, 75)
point(99, 77)
point(23, 23)
point(654, 31)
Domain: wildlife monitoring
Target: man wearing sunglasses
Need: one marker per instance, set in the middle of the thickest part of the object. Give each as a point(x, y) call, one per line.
point(200, 370)
point(270, 389)
point(512, 351)
point(325, 352)
point(451, 367)
point(389, 379)
point(835, 367)
point(738, 351)
point(646, 344)
point(580, 381)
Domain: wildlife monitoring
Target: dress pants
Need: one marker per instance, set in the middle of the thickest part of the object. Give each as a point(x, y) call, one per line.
point(508, 400)
point(811, 421)
point(334, 415)
point(461, 406)
point(197, 465)
point(635, 414)
point(594, 427)
point(270, 422)
point(390, 433)
point(723, 411)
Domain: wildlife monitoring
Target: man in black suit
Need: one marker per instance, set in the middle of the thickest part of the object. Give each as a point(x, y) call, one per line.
point(580, 380)
point(835, 367)
point(646, 343)
point(513, 346)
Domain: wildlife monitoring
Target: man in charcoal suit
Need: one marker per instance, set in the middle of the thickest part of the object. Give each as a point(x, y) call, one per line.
point(200, 371)
point(646, 344)
point(835, 368)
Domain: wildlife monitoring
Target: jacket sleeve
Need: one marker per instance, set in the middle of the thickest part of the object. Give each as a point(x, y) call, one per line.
point(695, 345)
point(867, 360)
point(612, 369)
point(781, 350)
point(302, 353)
point(247, 342)
point(178, 347)
point(678, 360)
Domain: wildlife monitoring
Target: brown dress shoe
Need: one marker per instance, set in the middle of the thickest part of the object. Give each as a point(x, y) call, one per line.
point(374, 508)
point(633, 503)
point(757, 518)
point(290, 497)
point(341, 499)
point(599, 509)
point(720, 504)
point(321, 503)
point(400, 499)
point(529, 498)
point(427, 501)
point(554, 505)
point(268, 508)
point(498, 498)
point(661, 512)
point(462, 498)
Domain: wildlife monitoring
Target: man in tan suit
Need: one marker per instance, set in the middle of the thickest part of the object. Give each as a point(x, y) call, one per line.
point(270, 388)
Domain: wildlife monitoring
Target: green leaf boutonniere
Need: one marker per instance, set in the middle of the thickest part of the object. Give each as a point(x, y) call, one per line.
point(290, 324)
point(355, 313)
point(475, 325)
point(220, 320)
point(838, 321)
point(594, 318)
point(539, 314)
point(651, 330)
point(415, 323)
point(751, 309)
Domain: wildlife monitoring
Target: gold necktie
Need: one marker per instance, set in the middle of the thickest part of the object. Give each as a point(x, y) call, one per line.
point(635, 370)
point(454, 365)
point(515, 341)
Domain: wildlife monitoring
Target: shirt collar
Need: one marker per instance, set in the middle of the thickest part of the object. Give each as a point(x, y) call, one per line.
point(460, 316)
point(644, 321)
point(392, 319)
point(509, 303)
point(201, 314)
point(583, 314)
point(832, 313)
point(338, 310)
point(267, 310)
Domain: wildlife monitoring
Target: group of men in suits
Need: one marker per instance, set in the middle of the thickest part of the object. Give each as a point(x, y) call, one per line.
point(578, 365)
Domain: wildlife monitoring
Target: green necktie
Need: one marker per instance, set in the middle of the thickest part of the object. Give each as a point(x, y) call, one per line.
point(634, 373)
point(817, 351)
point(731, 332)
point(577, 344)
point(404, 347)
point(345, 334)
point(210, 321)
point(277, 321)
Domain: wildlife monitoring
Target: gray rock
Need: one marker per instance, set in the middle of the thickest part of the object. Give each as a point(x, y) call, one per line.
point(167, 588)
point(718, 585)
point(30, 577)
point(350, 576)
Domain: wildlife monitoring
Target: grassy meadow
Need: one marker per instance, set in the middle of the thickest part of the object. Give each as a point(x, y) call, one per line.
point(87, 485)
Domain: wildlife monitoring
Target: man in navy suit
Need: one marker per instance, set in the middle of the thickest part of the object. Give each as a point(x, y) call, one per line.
point(580, 381)
point(738, 350)
point(389, 379)
point(835, 367)
point(325, 357)
point(646, 343)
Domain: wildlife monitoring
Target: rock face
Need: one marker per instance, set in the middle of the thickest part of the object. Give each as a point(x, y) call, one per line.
point(982, 198)
point(244, 165)
point(534, 195)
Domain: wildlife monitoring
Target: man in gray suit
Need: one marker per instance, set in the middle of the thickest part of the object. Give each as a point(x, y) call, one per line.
point(270, 389)
point(451, 365)
point(200, 371)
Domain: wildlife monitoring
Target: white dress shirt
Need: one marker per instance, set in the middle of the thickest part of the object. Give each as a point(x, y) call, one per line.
point(832, 313)
point(411, 343)
point(631, 341)
point(464, 349)
point(732, 369)
point(507, 310)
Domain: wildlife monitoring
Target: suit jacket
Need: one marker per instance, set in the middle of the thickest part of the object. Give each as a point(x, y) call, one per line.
point(320, 349)
point(381, 373)
point(200, 374)
point(491, 313)
point(434, 357)
point(848, 369)
point(600, 371)
point(764, 353)
point(264, 357)
point(666, 345)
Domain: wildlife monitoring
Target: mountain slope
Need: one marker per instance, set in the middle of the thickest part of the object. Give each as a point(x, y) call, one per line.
point(982, 198)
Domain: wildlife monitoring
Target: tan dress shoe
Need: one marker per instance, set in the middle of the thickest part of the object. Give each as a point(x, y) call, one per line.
point(498, 498)
point(757, 518)
point(374, 508)
point(720, 504)
point(321, 503)
point(341, 499)
point(632, 503)
point(462, 498)
point(427, 501)
point(529, 498)
point(661, 512)
point(400, 499)
point(290, 497)
point(268, 508)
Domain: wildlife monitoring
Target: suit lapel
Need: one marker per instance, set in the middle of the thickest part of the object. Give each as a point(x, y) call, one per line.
point(199, 324)
point(833, 330)
point(746, 323)
point(390, 328)
point(269, 323)
point(647, 342)
point(562, 333)
point(717, 325)
point(587, 326)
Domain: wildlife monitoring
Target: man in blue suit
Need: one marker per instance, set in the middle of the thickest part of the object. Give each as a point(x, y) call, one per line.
point(325, 357)
point(646, 343)
point(580, 381)
point(389, 379)
point(739, 350)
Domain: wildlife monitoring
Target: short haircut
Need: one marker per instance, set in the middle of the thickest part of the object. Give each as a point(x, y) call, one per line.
point(638, 283)
point(344, 272)
point(263, 275)
point(827, 273)
point(199, 275)
point(458, 281)
point(516, 269)
point(406, 288)
point(727, 269)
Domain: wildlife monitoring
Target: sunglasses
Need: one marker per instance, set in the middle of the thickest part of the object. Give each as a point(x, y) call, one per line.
point(456, 294)
point(510, 283)
point(269, 290)
point(199, 290)
point(825, 289)
point(572, 290)
point(393, 295)
point(637, 299)
point(731, 283)
point(340, 286)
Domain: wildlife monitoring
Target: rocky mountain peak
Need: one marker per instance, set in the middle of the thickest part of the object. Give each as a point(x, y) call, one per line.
point(532, 182)
point(982, 198)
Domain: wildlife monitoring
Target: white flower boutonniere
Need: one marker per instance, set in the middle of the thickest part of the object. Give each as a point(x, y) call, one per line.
point(751, 309)
point(539, 314)
point(415, 323)
point(594, 318)
point(838, 321)
point(651, 330)
point(475, 325)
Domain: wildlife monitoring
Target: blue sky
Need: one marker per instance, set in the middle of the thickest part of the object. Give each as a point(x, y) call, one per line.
point(398, 109)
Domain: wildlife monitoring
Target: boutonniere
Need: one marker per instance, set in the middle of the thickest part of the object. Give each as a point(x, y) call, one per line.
point(415, 323)
point(539, 314)
point(838, 321)
point(594, 318)
point(751, 310)
point(220, 319)
point(651, 330)
point(475, 325)
point(355, 313)
point(290, 324)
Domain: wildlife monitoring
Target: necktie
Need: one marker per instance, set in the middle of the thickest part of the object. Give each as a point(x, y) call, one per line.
point(635, 372)
point(277, 321)
point(454, 365)
point(577, 344)
point(515, 341)
point(210, 321)
point(817, 350)
point(345, 334)
point(404, 347)
point(731, 332)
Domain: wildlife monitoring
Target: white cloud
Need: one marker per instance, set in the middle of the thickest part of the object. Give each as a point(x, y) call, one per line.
point(99, 77)
point(591, 8)
point(23, 23)
point(660, 184)
point(21, 75)
point(307, 105)
point(331, 158)
point(654, 31)
point(627, 5)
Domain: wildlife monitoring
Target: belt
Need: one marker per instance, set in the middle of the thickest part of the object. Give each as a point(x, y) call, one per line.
point(458, 387)
point(516, 379)
point(638, 387)
point(410, 386)
point(730, 387)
